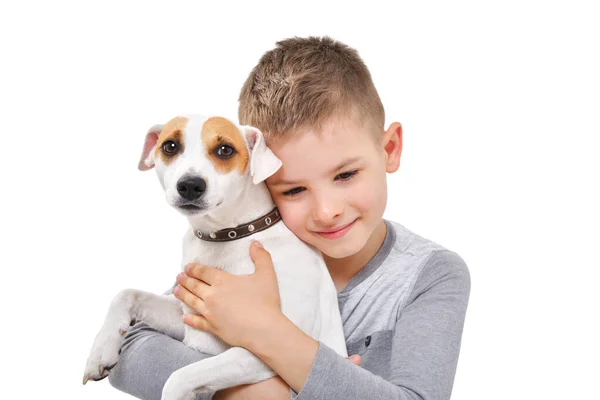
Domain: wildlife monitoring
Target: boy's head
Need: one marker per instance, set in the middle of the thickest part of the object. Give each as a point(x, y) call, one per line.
point(320, 113)
point(303, 82)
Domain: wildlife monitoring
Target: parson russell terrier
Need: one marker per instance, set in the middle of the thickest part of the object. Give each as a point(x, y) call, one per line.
point(212, 171)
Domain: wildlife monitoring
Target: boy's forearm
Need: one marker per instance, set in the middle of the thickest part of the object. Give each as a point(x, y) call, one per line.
point(293, 355)
point(287, 350)
point(147, 360)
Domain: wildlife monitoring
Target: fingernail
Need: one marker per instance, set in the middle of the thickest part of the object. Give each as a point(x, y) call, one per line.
point(180, 276)
point(256, 243)
point(176, 289)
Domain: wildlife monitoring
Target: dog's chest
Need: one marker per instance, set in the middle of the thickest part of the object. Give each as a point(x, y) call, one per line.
point(232, 256)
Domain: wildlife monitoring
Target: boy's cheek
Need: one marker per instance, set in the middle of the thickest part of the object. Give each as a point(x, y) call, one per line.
point(293, 217)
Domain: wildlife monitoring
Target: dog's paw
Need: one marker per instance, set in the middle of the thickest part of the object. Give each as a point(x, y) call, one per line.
point(178, 387)
point(104, 354)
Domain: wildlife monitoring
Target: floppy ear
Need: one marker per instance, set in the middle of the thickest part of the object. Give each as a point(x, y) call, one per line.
point(263, 163)
point(147, 158)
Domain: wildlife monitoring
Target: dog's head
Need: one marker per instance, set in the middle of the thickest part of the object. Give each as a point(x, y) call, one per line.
point(203, 163)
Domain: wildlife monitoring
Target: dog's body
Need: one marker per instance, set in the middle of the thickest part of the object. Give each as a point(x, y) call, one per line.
point(218, 188)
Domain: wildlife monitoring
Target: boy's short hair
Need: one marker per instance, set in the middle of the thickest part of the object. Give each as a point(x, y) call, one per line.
point(304, 81)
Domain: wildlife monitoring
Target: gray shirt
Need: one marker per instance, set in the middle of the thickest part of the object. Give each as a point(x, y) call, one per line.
point(403, 313)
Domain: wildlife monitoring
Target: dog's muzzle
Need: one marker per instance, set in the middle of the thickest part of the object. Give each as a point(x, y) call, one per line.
point(191, 188)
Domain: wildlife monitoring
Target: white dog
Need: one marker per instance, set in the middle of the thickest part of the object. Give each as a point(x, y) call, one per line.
point(212, 171)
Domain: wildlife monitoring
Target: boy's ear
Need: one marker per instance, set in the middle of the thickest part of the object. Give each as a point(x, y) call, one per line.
point(263, 163)
point(147, 159)
point(392, 145)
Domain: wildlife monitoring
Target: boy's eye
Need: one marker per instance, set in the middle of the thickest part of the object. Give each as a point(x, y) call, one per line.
point(293, 191)
point(346, 175)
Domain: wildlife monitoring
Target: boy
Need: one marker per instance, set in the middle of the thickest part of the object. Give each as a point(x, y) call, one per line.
point(402, 298)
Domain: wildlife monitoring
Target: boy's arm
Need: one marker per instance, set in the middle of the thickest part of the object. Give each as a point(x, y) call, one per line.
point(146, 361)
point(424, 349)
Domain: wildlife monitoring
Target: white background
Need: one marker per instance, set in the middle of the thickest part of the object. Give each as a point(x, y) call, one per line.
point(499, 104)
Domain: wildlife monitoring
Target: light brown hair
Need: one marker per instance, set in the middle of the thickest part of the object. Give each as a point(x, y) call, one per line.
point(302, 82)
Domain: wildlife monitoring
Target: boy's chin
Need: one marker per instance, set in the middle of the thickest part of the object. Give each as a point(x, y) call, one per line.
point(341, 250)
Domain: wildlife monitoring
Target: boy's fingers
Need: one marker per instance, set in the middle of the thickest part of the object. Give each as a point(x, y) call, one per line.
point(190, 299)
point(206, 274)
point(194, 285)
point(355, 359)
point(198, 322)
point(260, 257)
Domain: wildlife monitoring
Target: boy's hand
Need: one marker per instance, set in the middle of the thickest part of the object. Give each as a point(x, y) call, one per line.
point(237, 308)
point(355, 359)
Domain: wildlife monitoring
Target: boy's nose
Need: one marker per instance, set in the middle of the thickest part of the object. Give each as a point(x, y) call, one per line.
point(327, 209)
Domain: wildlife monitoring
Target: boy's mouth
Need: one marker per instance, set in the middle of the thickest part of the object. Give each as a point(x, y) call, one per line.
point(337, 232)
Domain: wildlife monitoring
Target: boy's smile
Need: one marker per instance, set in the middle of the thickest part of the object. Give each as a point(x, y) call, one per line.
point(336, 232)
point(331, 190)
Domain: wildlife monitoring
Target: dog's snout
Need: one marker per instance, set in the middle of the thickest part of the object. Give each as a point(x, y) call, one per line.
point(191, 188)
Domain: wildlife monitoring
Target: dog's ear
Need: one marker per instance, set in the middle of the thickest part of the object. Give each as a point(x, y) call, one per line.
point(147, 158)
point(263, 163)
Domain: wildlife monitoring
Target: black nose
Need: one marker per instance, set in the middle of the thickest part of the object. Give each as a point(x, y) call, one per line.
point(191, 188)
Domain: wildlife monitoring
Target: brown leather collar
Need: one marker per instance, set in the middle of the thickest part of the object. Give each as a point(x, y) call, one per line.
point(241, 231)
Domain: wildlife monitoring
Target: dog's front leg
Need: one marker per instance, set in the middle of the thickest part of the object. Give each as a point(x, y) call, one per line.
point(234, 367)
point(162, 313)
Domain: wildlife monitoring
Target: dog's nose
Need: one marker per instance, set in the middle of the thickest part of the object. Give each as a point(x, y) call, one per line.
point(191, 188)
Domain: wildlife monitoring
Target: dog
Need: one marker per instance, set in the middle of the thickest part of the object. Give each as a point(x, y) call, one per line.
point(212, 171)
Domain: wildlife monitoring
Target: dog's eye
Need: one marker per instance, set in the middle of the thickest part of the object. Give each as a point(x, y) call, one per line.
point(225, 151)
point(170, 147)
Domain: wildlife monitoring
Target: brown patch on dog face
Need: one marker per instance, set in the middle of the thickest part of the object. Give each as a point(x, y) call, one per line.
point(218, 131)
point(172, 131)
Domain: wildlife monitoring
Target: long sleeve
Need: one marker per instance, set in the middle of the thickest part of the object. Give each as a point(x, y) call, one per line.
point(146, 361)
point(418, 358)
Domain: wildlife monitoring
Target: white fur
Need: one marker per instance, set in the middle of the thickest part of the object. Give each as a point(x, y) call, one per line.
point(308, 295)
